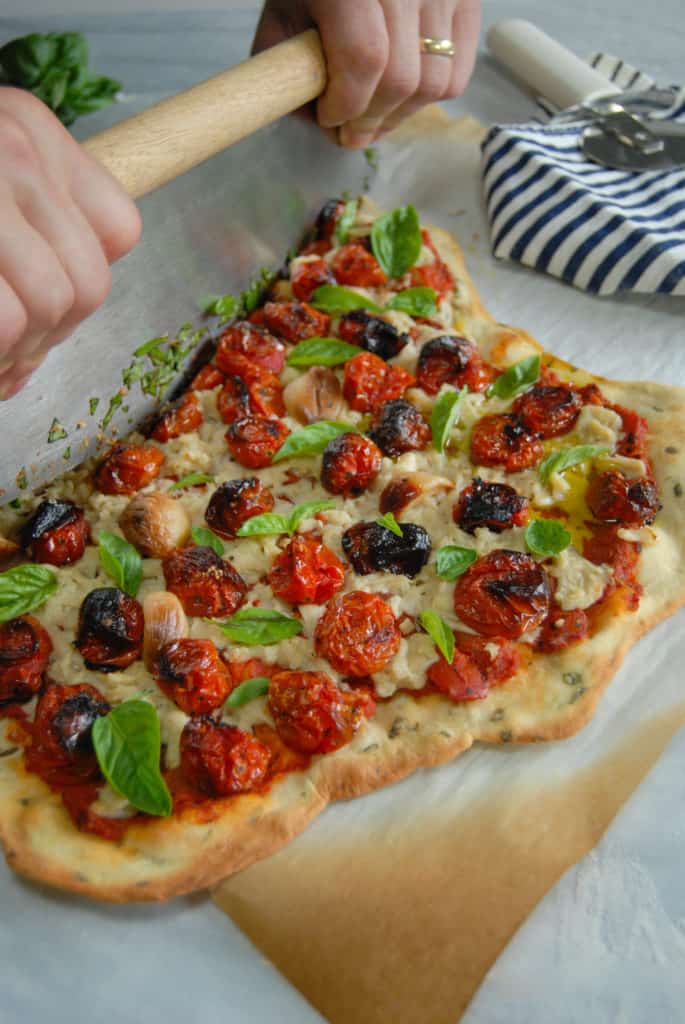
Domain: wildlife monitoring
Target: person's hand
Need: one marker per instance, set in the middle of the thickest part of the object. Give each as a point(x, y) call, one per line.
point(63, 220)
point(377, 72)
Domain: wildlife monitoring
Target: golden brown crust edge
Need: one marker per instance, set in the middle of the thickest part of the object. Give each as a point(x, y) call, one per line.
point(171, 857)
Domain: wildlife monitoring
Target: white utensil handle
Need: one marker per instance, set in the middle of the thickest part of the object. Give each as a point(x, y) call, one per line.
point(546, 66)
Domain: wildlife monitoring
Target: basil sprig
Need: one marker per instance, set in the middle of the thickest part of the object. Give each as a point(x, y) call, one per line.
point(565, 458)
point(546, 537)
point(321, 352)
point(222, 305)
point(517, 378)
point(334, 299)
point(272, 522)
point(390, 523)
point(439, 632)
point(24, 588)
point(311, 440)
point(121, 561)
point(415, 301)
point(444, 416)
point(192, 480)
point(346, 220)
point(205, 538)
point(258, 626)
point(247, 691)
point(452, 561)
point(396, 240)
point(127, 746)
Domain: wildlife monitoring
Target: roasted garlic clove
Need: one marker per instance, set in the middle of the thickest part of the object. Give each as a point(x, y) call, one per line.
point(155, 524)
point(165, 621)
point(315, 395)
point(402, 490)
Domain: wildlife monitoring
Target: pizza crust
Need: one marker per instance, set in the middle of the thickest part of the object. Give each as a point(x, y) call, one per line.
point(554, 697)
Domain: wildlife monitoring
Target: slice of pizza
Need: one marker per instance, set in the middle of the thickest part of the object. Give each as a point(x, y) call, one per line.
point(377, 528)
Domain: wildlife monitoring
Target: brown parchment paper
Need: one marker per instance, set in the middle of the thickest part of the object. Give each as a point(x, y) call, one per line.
point(393, 907)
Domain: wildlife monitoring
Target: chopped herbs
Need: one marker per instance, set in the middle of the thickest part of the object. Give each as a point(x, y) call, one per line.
point(56, 432)
point(21, 479)
point(93, 403)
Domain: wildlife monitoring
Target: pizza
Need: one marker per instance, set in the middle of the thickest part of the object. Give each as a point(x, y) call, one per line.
point(376, 528)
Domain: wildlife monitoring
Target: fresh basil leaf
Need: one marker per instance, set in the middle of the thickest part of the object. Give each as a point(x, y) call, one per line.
point(205, 538)
point(333, 299)
point(191, 481)
point(346, 220)
point(121, 561)
point(451, 561)
point(24, 588)
point(390, 523)
point(252, 296)
point(565, 458)
point(396, 240)
point(415, 301)
point(222, 305)
point(305, 511)
point(546, 537)
point(439, 632)
point(321, 352)
point(247, 691)
point(517, 378)
point(258, 626)
point(444, 417)
point(310, 440)
point(268, 522)
point(127, 746)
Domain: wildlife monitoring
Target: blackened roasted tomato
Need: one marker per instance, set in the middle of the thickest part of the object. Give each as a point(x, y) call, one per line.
point(192, 674)
point(208, 378)
point(25, 648)
point(371, 547)
point(358, 634)
point(474, 669)
point(221, 759)
point(306, 572)
point(57, 533)
point(308, 274)
point(312, 714)
point(353, 264)
point(236, 501)
point(451, 359)
point(613, 498)
point(368, 382)
point(399, 427)
point(110, 630)
point(562, 629)
point(633, 440)
point(548, 410)
point(350, 464)
point(203, 582)
point(253, 343)
point(254, 440)
point(327, 218)
point(295, 321)
point(63, 728)
point(372, 333)
point(128, 467)
point(185, 416)
point(492, 505)
point(504, 594)
point(502, 440)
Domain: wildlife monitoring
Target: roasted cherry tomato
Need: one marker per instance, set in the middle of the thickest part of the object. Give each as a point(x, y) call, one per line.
point(494, 506)
point(203, 582)
point(371, 547)
point(233, 401)
point(358, 634)
point(399, 493)
point(433, 275)
point(208, 378)
point(312, 714)
point(317, 248)
point(57, 533)
point(221, 759)
point(110, 630)
point(605, 547)
point(353, 264)
point(309, 274)
point(327, 218)
point(399, 427)
point(306, 572)
point(562, 629)
point(368, 382)
point(254, 343)
point(474, 668)
point(250, 668)
point(548, 410)
point(184, 417)
point(296, 321)
point(502, 440)
point(350, 464)
point(372, 333)
point(63, 728)
point(192, 674)
point(25, 648)
point(236, 501)
point(127, 468)
point(266, 396)
point(613, 498)
point(254, 440)
point(633, 441)
point(504, 594)
point(451, 359)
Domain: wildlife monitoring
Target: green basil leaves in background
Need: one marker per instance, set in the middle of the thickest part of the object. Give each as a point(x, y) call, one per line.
point(222, 305)
point(546, 537)
point(247, 691)
point(334, 299)
point(321, 352)
point(346, 220)
point(517, 378)
point(258, 626)
point(311, 440)
point(415, 301)
point(439, 632)
point(452, 561)
point(396, 240)
point(24, 588)
point(192, 480)
point(565, 458)
point(444, 416)
point(272, 522)
point(127, 746)
point(205, 538)
point(121, 561)
point(390, 523)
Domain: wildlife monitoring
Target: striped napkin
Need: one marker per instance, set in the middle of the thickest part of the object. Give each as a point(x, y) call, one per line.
point(601, 230)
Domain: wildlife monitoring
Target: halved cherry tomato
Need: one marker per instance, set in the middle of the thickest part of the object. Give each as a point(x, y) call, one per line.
point(490, 505)
point(308, 275)
point(254, 440)
point(306, 572)
point(57, 533)
point(295, 321)
point(110, 630)
point(260, 348)
point(208, 378)
point(183, 418)
point(369, 382)
point(350, 464)
point(613, 498)
point(62, 729)
point(236, 501)
point(633, 442)
point(353, 264)
point(127, 468)
point(502, 440)
point(451, 359)
point(192, 674)
point(358, 634)
point(433, 275)
point(504, 594)
point(562, 629)
point(203, 582)
point(312, 714)
point(474, 669)
point(25, 648)
point(233, 401)
point(221, 759)
point(548, 410)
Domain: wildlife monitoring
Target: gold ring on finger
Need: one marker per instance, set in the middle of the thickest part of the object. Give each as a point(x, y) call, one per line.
point(437, 47)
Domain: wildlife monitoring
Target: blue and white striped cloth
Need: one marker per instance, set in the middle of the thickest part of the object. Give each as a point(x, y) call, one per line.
point(601, 230)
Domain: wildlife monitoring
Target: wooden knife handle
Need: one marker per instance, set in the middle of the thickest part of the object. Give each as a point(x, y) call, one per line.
point(149, 149)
